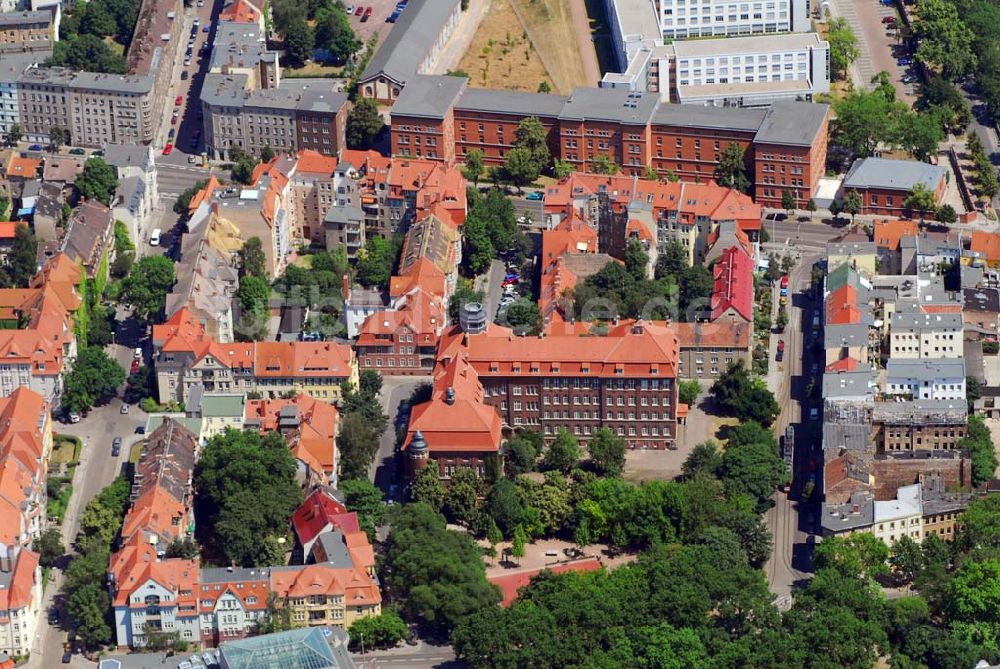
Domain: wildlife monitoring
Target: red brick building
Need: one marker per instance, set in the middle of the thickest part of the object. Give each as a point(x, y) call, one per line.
point(785, 146)
point(884, 185)
point(403, 341)
point(732, 292)
point(625, 381)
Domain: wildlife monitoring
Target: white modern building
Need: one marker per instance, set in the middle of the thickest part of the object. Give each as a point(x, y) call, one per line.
point(679, 19)
point(920, 336)
point(745, 71)
point(901, 516)
point(926, 379)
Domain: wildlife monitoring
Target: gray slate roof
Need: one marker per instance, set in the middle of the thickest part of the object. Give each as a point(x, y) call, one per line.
point(18, 19)
point(792, 123)
point(429, 96)
point(410, 40)
point(930, 370)
point(513, 102)
point(694, 116)
point(917, 322)
point(900, 175)
point(609, 104)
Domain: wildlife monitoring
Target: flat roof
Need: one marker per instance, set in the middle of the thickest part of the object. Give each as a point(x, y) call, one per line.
point(792, 123)
point(754, 44)
point(429, 96)
point(609, 104)
point(410, 40)
point(20, 19)
point(937, 369)
point(762, 88)
point(892, 174)
point(856, 514)
point(510, 102)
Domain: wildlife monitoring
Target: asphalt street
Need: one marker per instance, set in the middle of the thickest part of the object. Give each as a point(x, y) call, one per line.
point(383, 472)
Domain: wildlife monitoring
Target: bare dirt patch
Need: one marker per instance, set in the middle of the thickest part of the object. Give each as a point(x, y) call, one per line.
point(500, 54)
point(551, 28)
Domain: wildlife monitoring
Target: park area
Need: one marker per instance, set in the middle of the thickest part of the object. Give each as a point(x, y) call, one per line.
point(62, 464)
point(522, 43)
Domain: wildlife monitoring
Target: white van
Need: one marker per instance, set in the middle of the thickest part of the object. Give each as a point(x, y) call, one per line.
point(154, 239)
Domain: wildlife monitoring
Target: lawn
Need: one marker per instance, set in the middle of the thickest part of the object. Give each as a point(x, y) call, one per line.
point(65, 449)
point(133, 456)
point(501, 56)
point(313, 69)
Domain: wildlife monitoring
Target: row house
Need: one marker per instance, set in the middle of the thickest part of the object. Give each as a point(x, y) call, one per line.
point(39, 341)
point(784, 145)
point(624, 380)
point(185, 357)
point(137, 195)
point(89, 240)
point(922, 336)
point(732, 289)
point(706, 349)
point(919, 425)
point(941, 379)
point(29, 30)
point(322, 524)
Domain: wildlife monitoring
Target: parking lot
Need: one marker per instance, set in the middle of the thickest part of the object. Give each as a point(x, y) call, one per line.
point(376, 23)
point(884, 47)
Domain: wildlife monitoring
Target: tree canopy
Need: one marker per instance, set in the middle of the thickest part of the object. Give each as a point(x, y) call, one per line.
point(739, 394)
point(364, 123)
point(97, 181)
point(93, 379)
point(146, 287)
point(245, 492)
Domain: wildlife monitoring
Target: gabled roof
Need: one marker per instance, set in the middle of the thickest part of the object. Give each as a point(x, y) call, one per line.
point(888, 233)
point(240, 11)
point(24, 168)
point(308, 426)
point(733, 288)
point(986, 244)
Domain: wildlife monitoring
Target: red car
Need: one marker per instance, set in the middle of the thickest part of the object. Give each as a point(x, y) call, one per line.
point(888, 19)
point(509, 282)
point(179, 101)
point(360, 10)
point(135, 367)
point(167, 149)
point(367, 14)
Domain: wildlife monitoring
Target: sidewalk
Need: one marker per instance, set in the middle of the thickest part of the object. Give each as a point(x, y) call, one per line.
point(461, 37)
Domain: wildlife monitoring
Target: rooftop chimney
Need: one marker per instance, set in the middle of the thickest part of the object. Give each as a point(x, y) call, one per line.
point(449, 396)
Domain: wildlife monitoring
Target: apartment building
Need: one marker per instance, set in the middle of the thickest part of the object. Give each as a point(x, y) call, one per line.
point(785, 145)
point(185, 356)
point(403, 340)
point(625, 381)
point(942, 379)
point(29, 30)
point(410, 48)
point(137, 194)
point(732, 291)
point(40, 341)
point(919, 425)
point(705, 350)
point(884, 184)
point(89, 240)
point(12, 66)
point(309, 427)
point(919, 336)
point(724, 18)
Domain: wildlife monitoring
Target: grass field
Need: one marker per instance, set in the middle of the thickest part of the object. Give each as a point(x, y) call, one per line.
point(65, 450)
point(500, 56)
point(550, 27)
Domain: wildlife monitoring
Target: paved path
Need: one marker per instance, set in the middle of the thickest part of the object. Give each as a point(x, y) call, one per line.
point(585, 42)
point(456, 46)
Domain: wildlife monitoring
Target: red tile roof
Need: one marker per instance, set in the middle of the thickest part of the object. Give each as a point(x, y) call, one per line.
point(889, 233)
point(511, 584)
point(240, 11)
point(313, 441)
point(847, 364)
point(733, 287)
point(26, 168)
point(842, 306)
point(986, 244)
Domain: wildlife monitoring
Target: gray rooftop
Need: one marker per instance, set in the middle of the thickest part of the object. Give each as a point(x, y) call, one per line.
point(932, 412)
point(846, 436)
point(938, 369)
point(835, 336)
point(919, 322)
point(854, 384)
point(429, 96)
point(982, 299)
point(792, 123)
point(851, 248)
point(114, 83)
point(856, 514)
point(224, 90)
point(211, 575)
point(889, 174)
point(610, 104)
point(410, 40)
point(125, 155)
point(512, 102)
point(726, 118)
point(345, 214)
point(21, 19)
point(13, 65)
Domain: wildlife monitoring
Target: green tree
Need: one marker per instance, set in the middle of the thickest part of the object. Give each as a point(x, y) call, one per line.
point(843, 46)
point(636, 259)
point(358, 445)
point(252, 259)
point(87, 52)
point(299, 42)
point(375, 263)
point(787, 200)
point(866, 119)
point(245, 492)
point(688, 391)
point(603, 164)
point(906, 558)
point(518, 542)
point(146, 288)
point(334, 33)
point(522, 451)
point(504, 506)
point(521, 167)
point(97, 181)
point(979, 526)
point(739, 395)
point(731, 170)
point(88, 606)
point(543, 87)
point(13, 134)
point(705, 458)
point(427, 488)
point(973, 602)
point(461, 497)
point(673, 260)
point(945, 41)
point(94, 379)
point(185, 548)
point(463, 294)
point(266, 154)
point(531, 135)
point(276, 618)
point(563, 453)
point(525, 317)
point(184, 199)
point(23, 258)
point(696, 286)
point(474, 166)
point(753, 469)
point(946, 214)
point(382, 631)
point(254, 294)
point(58, 137)
point(562, 169)
point(365, 499)
point(49, 547)
point(852, 203)
point(920, 200)
point(437, 574)
point(921, 135)
point(607, 452)
point(979, 442)
point(364, 123)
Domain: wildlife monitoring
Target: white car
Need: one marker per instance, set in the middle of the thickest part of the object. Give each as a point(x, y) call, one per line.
point(349, 10)
point(74, 417)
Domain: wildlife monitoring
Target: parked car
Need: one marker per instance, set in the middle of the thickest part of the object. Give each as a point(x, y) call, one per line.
point(196, 22)
point(888, 19)
point(53, 616)
point(77, 152)
point(74, 417)
point(360, 10)
point(135, 366)
point(171, 133)
point(535, 195)
point(140, 429)
point(512, 277)
point(179, 101)
point(167, 149)
point(35, 147)
point(173, 120)
point(116, 446)
point(814, 413)
point(67, 657)
point(904, 61)
point(184, 75)
point(349, 9)
point(367, 15)
point(205, 28)
point(392, 17)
